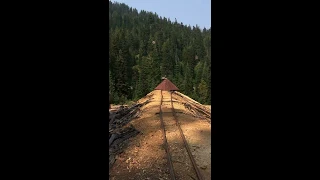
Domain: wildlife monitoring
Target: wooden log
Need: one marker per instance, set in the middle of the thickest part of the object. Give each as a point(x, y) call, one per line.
point(119, 137)
point(113, 136)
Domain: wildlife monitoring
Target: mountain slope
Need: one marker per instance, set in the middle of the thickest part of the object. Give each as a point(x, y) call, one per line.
point(145, 47)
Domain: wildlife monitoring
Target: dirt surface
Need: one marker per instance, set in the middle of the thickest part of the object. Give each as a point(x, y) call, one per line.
point(145, 156)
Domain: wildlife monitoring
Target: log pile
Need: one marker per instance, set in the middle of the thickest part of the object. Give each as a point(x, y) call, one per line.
point(118, 141)
point(195, 109)
point(119, 133)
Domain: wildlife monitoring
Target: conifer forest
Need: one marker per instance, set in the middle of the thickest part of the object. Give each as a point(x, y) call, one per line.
point(144, 47)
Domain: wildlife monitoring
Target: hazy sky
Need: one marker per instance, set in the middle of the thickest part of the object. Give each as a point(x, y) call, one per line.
point(186, 11)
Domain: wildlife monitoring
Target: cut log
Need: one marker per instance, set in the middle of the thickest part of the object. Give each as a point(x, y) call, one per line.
point(118, 135)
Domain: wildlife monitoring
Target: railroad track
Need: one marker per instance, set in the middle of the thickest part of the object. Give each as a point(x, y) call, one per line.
point(170, 124)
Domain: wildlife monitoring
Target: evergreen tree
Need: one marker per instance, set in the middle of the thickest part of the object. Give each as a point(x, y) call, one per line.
point(144, 47)
point(121, 85)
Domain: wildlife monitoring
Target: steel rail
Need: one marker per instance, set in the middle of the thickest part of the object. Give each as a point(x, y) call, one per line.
point(186, 143)
point(166, 146)
point(172, 173)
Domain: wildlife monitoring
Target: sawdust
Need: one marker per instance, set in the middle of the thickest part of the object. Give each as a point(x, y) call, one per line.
point(145, 156)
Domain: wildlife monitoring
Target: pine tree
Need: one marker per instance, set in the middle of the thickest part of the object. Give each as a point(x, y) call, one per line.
point(144, 47)
point(203, 91)
point(121, 85)
point(167, 60)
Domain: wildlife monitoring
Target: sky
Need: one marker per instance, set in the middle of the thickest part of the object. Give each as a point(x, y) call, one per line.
point(189, 12)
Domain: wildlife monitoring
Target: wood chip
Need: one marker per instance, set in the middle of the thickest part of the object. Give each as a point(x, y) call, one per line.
point(203, 167)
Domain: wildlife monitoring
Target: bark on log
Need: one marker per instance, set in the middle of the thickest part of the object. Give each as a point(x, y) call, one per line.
point(119, 136)
point(113, 136)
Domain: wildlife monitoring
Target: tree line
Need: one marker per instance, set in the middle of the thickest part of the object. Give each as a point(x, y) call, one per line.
point(145, 47)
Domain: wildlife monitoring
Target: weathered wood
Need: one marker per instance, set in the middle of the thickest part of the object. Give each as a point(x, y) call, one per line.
point(197, 111)
point(113, 136)
point(194, 103)
point(119, 136)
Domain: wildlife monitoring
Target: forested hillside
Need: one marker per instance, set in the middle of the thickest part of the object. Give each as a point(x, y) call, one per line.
point(145, 47)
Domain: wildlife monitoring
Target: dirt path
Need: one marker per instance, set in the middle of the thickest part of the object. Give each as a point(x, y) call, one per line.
point(145, 157)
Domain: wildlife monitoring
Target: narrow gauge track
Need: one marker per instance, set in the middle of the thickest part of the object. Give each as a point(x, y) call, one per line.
point(176, 124)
